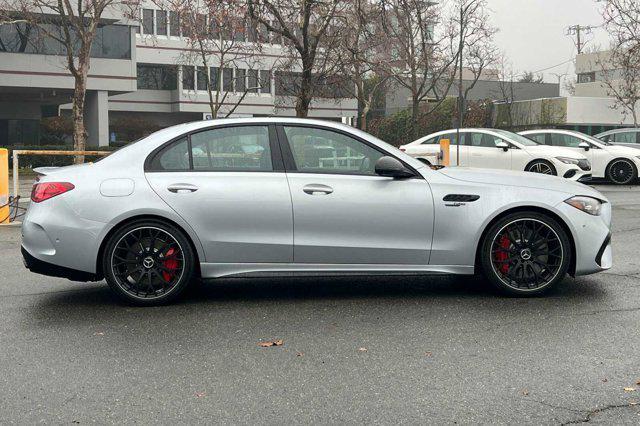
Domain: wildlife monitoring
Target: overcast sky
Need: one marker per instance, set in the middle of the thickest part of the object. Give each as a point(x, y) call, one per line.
point(533, 32)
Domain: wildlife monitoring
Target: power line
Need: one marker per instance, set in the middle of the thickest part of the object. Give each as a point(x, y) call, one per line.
point(577, 31)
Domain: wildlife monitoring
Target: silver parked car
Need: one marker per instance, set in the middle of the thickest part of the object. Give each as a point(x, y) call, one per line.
point(278, 195)
point(627, 137)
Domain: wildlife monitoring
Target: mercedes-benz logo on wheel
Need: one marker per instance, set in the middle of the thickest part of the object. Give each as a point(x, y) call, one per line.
point(525, 254)
point(148, 262)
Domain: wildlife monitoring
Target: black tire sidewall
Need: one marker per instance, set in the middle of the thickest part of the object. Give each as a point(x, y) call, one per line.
point(189, 263)
point(633, 166)
point(485, 250)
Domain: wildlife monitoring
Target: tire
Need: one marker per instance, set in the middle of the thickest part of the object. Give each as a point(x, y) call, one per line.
point(148, 262)
point(516, 257)
point(541, 166)
point(622, 171)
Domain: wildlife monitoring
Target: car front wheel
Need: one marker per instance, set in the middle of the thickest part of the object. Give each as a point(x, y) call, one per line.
point(541, 166)
point(148, 262)
point(622, 172)
point(525, 253)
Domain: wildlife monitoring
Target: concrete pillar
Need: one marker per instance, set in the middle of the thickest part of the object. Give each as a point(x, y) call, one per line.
point(96, 117)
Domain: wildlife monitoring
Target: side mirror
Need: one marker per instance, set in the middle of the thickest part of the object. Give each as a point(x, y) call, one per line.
point(584, 146)
point(503, 145)
point(391, 167)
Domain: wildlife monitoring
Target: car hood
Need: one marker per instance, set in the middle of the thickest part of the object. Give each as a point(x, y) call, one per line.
point(520, 179)
point(554, 151)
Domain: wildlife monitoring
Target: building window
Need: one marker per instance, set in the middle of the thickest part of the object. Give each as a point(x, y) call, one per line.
point(215, 81)
point(157, 77)
point(202, 78)
point(252, 81)
point(110, 42)
point(174, 24)
point(147, 21)
point(227, 79)
point(587, 77)
point(188, 78)
point(265, 81)
point(161, 24)
point(241, 83)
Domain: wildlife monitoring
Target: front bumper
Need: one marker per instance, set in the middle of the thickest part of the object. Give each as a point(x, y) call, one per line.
point(592, 238)
point(49, 269)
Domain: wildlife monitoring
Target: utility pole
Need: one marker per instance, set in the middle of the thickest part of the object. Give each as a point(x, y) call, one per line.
point(576, 30)
point(460, 99)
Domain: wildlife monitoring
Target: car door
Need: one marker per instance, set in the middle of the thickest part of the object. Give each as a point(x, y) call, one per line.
point(229, 184)
point(484, 153)
point(343, 212)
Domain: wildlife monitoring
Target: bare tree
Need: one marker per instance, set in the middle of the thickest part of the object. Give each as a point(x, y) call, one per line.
point(476, 49)
point(506, 87)
point(220, 37)
point(530, 77)
point(419, 58)
point(309, 29)
point(621, 69)
point(73, 25)
point(360, 60)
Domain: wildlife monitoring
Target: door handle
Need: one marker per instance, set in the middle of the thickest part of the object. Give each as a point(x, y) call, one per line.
point(316, 188)
point(181, 188)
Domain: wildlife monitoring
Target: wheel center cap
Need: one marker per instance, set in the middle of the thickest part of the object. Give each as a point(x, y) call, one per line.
point(525, 254)
point(148, 262)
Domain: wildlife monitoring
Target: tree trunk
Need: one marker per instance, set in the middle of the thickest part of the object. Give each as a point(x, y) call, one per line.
point(415, 112)
point(304, 94)
point(79, 130)
point(363, 117)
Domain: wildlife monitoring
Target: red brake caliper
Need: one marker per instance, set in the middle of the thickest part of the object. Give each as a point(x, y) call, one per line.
point(502, 255)
point(171, 263)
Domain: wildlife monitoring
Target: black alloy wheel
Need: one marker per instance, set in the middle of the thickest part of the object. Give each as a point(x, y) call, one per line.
point(148, 263)
point(621, 172)
point(525, 253)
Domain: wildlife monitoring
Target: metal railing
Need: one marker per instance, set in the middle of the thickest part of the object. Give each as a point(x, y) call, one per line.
point(17, 152)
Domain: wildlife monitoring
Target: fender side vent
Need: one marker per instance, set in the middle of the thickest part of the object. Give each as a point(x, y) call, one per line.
point(462, 198)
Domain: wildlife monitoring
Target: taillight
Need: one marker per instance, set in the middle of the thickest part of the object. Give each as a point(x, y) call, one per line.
point(44, 191)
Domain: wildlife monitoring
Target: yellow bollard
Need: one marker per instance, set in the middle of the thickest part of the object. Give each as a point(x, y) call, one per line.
point(4, 185)
point(444, 152)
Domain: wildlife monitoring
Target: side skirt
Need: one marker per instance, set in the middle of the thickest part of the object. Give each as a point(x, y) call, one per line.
point(217, 270)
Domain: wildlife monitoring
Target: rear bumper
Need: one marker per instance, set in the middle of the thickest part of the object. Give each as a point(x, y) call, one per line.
point(49, 269)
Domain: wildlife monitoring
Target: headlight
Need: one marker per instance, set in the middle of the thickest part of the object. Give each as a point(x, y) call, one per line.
point(593, 206)
point(568, 160)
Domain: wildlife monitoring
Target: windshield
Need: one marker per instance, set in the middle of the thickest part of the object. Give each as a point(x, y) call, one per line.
point(595, 141)
point(516, 137)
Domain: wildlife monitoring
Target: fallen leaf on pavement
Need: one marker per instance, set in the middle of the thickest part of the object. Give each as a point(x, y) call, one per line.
point(605, 380)
point(525, 392)
point(268, 343)
point(362, 349)
point(299, 353)
point(200, 394)
point(629, 389)
point(428, 353)
point(98, 333)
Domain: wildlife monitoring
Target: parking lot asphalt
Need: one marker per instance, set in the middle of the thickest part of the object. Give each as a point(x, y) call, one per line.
point(356, 350)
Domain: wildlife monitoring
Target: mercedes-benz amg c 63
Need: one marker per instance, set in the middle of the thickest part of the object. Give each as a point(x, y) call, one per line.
point(281, 196)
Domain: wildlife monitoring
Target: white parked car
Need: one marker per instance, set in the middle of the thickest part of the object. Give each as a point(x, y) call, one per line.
point(626, 137)
point(500, 149)
point(619, 164)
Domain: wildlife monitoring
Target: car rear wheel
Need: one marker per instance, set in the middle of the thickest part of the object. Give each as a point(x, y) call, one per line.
point(622, 172)
point(541, 166)
point(148, 262)
point(525, 253)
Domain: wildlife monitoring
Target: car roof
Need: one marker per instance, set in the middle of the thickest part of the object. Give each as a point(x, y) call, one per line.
point(444, 132)
point(614, 131)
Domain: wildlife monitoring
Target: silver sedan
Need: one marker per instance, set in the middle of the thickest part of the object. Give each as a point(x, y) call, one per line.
point(276, 195)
